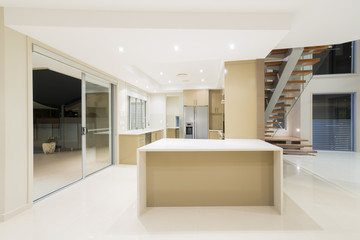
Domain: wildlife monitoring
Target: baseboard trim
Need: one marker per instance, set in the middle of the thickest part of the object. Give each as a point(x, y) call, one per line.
point(8, 215)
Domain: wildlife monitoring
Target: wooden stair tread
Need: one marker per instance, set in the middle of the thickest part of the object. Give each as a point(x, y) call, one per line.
point(286, 139)
point(271, 74)
point(269, 131)
point(308, 62)
point(282, 105)
point(287, 98)
point(267, 83)
point(270, 127)
point(298, 151)
point(315, 49)
point(273, 63)
point(279, 111)
point(293, 145)
point(291, 90)
point(270, 122)
point(266, 135)
point(276, 117)
point(279, 51)
point(296, 82)
point(301, 72)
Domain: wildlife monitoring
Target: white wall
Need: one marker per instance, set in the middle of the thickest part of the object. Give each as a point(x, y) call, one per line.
point(349, 83)
point(172, 110)
point(122, 107)
point(157, 111)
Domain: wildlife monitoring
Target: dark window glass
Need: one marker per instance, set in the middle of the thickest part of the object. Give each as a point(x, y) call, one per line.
point(333, 122)
point(335, 60)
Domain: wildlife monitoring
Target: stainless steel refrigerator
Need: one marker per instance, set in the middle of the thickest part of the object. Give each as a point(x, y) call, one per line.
point(196, 122)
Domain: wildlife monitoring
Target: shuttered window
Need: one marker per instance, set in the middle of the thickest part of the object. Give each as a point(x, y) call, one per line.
point(137, 113)
point(333, 122)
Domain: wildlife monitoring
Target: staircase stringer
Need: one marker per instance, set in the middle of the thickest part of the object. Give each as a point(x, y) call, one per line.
point(289, 67)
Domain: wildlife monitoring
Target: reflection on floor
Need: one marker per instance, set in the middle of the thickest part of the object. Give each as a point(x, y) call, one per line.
point(339, 168)
point(53, 171)
point(103, 206)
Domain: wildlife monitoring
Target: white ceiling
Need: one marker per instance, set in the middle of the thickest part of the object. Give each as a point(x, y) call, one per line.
point(147, 30)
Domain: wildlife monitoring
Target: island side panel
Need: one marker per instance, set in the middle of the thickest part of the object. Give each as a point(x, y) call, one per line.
point(224, 178)
point(278, 180)
point(141, 183)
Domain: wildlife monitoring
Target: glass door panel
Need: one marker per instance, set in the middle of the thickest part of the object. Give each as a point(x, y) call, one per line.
point(98, 125)
point(56, 125)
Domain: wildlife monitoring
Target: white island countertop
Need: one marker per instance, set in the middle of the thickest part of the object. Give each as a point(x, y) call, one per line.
point(209, 145)
point(139, 131)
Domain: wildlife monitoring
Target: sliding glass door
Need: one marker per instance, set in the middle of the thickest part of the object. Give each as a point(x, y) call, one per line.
point(72, 124)
point(97, 131)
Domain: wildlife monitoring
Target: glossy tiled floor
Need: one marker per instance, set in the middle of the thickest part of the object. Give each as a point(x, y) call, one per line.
point(339, 168)
point(104, 207)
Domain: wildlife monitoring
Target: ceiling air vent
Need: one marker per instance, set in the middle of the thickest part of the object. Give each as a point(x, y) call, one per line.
point(181, 74)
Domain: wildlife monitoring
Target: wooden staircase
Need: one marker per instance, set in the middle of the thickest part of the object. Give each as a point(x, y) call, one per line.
point(283, 88)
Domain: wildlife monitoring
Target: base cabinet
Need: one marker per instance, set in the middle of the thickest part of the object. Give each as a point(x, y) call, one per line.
point(128, 145)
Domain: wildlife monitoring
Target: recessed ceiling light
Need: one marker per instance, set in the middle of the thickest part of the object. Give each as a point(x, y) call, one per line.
point(121, 49)
point(161, 73)
point(176, 48)
point(201, 71)
point(202, 80)
point(231, 46)
point(169, 81)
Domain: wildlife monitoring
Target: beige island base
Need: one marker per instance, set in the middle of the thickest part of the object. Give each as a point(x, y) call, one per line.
point(203, 172)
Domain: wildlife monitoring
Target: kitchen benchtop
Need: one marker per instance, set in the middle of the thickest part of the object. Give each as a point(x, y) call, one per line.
point(139, 131)
point(209, 145)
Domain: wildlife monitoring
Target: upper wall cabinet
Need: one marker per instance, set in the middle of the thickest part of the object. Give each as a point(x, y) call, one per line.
point(196, 97)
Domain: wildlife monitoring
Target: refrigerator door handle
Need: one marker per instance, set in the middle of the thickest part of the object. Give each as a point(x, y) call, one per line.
point(194, 135)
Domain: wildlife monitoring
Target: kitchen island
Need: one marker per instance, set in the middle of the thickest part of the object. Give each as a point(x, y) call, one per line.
point(203, 172)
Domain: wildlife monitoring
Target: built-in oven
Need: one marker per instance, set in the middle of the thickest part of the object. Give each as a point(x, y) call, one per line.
point(189, 130)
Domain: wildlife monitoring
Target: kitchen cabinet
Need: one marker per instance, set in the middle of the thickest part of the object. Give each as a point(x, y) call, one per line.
point(216, 116)
point(172, 133)
point(196, 97)
point(130, 141)
point(215, 134)
point(157, 135)
point(128, 145)
point(215, 97)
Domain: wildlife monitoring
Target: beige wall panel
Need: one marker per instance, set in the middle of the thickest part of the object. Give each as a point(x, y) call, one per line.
point(209, 179)
point(241, 100)
point(260, 96)
point(2, 114)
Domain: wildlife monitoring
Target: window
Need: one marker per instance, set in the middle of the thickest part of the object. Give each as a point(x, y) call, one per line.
point(333, 122)
point(137, 113)
point(336, 59)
